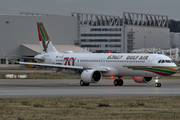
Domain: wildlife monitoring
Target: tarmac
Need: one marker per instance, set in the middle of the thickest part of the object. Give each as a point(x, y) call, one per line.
point(33, 88)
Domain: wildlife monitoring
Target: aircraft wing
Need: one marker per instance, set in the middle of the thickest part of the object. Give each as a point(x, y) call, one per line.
point(103, 69)
point(52, 65)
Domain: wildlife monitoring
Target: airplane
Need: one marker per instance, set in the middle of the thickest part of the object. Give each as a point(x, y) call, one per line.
point(93, 66)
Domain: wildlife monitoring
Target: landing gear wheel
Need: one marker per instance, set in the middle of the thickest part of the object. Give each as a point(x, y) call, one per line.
point(116, 82)
point(158, 84)
point(121, 82)
point(81, 83)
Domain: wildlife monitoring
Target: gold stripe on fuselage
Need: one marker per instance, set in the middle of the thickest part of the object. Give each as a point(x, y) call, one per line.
point(172, 68)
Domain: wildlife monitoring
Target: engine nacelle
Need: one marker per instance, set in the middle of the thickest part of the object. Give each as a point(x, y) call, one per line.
point(142, 79)
point(91, 76)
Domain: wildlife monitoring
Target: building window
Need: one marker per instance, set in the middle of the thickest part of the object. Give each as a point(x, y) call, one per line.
point(100, 35)
point(105, 29)
point(100, 40)
point(96, 29)
point(99, 51)
point(90, 45)
point(112, 45)
point(3, 61)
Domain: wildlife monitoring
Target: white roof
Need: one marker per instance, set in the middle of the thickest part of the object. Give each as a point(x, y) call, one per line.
point(59, 47)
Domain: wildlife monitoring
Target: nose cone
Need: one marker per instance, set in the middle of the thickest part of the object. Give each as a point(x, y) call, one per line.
point(169, 70)
point(175, 69)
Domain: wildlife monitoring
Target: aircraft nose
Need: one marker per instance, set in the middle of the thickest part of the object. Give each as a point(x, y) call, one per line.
point(176, 69)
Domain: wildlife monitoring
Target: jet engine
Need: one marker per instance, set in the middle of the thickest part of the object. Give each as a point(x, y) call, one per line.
point(91, 76)
point(142, 79)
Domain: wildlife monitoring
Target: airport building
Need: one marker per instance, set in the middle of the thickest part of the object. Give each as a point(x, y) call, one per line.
point(106, 33)
point(175, 40)
point(82, 32)
point(99, 33)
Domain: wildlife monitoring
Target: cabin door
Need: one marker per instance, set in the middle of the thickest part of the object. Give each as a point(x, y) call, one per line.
point(150, 62)
point(102, 62)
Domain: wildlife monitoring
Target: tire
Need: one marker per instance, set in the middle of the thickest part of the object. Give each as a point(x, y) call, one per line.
point(159, 84)
point(81, 83)
point(121, 82)
point(116, 82)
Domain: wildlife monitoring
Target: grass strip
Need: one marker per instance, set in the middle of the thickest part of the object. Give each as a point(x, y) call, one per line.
point(131, 108)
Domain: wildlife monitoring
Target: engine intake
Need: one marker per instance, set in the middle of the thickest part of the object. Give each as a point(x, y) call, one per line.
point(142, 79)
point(91, 76)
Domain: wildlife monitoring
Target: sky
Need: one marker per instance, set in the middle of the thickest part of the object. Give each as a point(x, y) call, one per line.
point(171, 8)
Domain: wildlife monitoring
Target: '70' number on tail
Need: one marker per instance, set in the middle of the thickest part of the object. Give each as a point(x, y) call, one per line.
point(69, 61)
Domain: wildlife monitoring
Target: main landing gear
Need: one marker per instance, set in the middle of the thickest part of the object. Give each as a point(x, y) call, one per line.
point(157, 84)
point(83, 83)
point(118, 82)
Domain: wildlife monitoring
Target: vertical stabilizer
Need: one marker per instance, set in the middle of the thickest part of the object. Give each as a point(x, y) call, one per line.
point(44, 40)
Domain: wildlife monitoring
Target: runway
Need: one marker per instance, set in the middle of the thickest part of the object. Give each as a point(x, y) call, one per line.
point(23, 88)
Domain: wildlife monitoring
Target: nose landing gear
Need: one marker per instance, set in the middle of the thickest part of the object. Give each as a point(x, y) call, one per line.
point(157, 84)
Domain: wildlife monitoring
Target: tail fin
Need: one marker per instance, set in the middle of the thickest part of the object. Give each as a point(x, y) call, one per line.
point(44, 40)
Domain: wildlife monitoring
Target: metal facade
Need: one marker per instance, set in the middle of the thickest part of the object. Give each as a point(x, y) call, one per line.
point(99, 33)
point(135, 31)
point(140, 19)
point(97, 20)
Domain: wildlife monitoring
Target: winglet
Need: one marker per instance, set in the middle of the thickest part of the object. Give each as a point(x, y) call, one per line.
point(7, 57)
point(4, 53)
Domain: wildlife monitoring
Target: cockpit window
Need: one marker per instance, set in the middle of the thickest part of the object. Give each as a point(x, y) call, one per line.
point(168, 61)
point(165, 61)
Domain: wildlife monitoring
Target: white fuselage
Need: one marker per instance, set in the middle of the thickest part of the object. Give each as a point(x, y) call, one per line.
point(117, 64)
